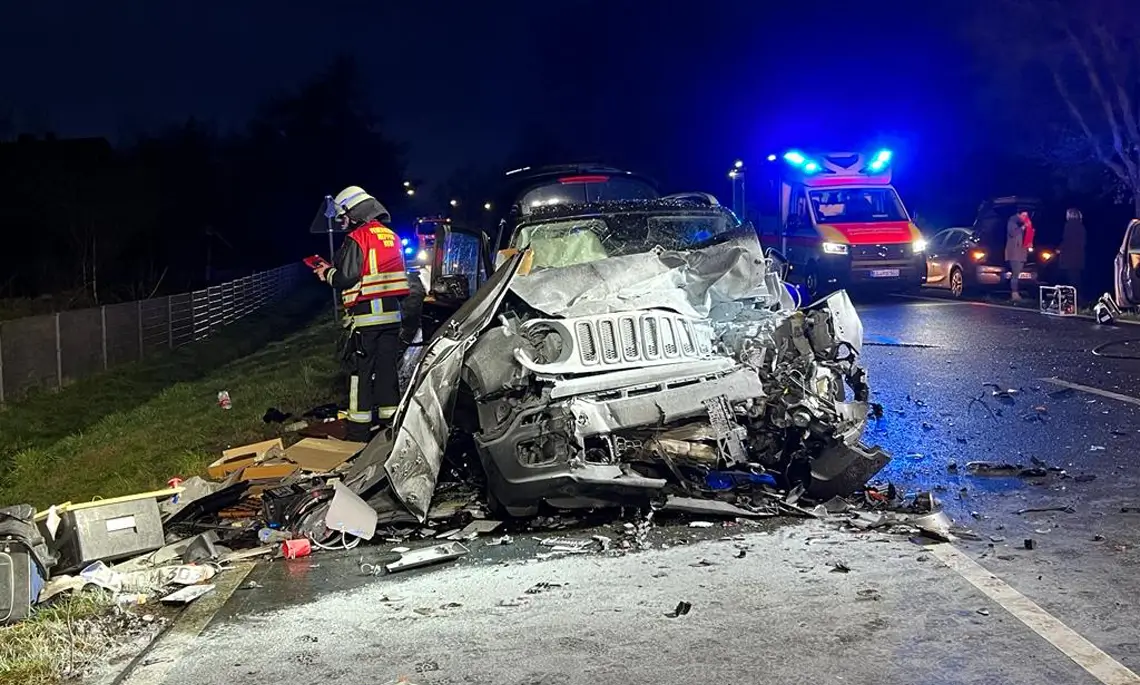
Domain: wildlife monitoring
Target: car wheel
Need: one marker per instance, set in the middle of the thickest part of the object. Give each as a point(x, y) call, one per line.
point(957, 282)
point(811, 282)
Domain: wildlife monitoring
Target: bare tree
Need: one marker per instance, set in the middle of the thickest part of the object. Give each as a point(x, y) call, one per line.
point(1087, 55)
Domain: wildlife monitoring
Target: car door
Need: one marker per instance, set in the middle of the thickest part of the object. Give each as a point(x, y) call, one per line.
point(798, 231)
point(1127, 267)
point(936, 267)
point(460, 265)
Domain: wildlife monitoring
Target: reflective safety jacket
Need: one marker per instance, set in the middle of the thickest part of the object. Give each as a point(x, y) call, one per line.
point(369, 272)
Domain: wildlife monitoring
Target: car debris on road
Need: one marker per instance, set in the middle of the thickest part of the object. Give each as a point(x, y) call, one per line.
point(672, 375)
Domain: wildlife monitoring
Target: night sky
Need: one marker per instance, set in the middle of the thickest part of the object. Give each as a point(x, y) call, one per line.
point(677, 88)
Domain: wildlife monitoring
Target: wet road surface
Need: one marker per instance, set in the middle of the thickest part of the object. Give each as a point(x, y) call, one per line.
point(781, 609)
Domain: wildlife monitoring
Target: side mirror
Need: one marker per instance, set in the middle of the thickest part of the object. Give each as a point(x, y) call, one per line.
point(779, 261)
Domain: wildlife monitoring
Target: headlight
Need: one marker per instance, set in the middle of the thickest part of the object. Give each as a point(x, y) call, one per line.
point(834, 248)
point(919, 245)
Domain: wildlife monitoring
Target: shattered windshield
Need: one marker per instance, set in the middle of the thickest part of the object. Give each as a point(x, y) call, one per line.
point(567, 242)
point(851, 205)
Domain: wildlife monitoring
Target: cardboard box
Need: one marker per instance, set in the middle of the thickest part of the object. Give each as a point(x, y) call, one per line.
point(320, 455)
point(277, 469)
point(238, 458)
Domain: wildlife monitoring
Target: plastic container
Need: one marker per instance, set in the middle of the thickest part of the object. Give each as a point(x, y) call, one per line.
point(295, 549)
point(107, 533)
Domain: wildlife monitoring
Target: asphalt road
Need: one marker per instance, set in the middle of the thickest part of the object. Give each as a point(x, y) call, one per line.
point(780, 613)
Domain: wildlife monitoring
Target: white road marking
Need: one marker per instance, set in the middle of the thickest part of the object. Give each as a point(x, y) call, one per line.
point(1095, 391)
point(165, 654)
point(1084, 653)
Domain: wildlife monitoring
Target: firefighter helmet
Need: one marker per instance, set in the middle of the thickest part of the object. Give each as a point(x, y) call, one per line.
point(359, 207)
point(349, 198)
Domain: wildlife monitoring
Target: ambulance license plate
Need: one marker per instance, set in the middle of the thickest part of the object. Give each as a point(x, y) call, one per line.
point(884, 273)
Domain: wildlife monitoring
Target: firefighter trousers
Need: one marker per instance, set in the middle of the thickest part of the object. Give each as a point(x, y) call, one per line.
point(373, 359)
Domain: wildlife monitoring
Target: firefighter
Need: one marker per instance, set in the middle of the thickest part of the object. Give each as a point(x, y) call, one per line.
point(382, 309)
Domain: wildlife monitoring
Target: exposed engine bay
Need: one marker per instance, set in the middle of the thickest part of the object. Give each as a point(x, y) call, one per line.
point(626, 378)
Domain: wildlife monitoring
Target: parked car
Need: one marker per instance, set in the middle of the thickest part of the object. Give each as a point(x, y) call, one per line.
point(1127, 267)
point(964, 260)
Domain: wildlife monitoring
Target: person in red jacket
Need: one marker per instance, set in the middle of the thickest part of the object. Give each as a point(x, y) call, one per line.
point(382, 309)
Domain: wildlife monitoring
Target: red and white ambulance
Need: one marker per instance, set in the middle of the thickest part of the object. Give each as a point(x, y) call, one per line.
point(843, 225)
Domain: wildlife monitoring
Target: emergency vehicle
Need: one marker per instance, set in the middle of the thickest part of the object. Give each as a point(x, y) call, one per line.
point(842, 224)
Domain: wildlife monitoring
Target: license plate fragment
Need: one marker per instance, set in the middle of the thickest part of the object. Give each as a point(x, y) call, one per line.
point(884, 273)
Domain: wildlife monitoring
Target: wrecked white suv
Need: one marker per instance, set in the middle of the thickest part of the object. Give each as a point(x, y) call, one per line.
point(626, 351)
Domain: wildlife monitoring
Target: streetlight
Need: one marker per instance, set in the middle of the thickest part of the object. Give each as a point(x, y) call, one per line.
point(487, 206)
point(455, 203)
point(737, 172)
point(407, 184)
point(411, 192)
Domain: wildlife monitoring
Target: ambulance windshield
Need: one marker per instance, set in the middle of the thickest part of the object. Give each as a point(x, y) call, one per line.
point(851, 205)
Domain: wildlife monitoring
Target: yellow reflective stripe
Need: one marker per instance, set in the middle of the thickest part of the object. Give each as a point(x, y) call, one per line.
point(384, 276)
point(386, 412)
point(376, 319)
point(383, 288)
point(372, 267)
point(360, 417)
point(353, 393)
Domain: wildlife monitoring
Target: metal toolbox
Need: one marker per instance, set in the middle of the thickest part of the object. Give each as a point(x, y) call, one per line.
point(108, 532)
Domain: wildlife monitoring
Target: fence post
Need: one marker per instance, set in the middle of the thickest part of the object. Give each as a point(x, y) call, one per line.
point(1, 370)
point(170, 321)
point(103, 332)
point(140, 331)
point(58, 356)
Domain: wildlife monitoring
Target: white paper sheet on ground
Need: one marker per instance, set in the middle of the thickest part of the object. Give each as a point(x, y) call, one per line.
point(350, 514)
point(187, 594)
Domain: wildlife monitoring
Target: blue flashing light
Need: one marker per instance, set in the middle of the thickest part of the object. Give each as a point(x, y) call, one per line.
point(403, 242)
point(811, 168)
point(794, 158)
point(771, 158)
point(880, 161)
point(408, 250)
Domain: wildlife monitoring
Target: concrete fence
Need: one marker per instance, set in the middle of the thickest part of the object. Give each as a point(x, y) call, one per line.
point(50, 351)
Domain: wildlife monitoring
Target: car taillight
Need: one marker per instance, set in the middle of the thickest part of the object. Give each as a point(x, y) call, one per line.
point(977, 255)
point(583, 179)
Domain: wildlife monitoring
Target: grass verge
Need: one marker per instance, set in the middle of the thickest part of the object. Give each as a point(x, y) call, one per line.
point(132, 429)
point(64, 640)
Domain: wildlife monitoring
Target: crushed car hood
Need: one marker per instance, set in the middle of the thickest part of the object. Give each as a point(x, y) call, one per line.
point(688, 283)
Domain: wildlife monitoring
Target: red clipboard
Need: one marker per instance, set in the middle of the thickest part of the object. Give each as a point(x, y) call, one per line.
point(315, 262)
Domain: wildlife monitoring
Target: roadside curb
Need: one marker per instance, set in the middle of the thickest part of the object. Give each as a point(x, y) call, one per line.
point(926, 298)
point(155, 662)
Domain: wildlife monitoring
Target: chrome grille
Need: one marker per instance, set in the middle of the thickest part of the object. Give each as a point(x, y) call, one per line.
point(652, 337)
point(626, 340)
point(609, 343)
point(629, 342)
point(588, 349)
